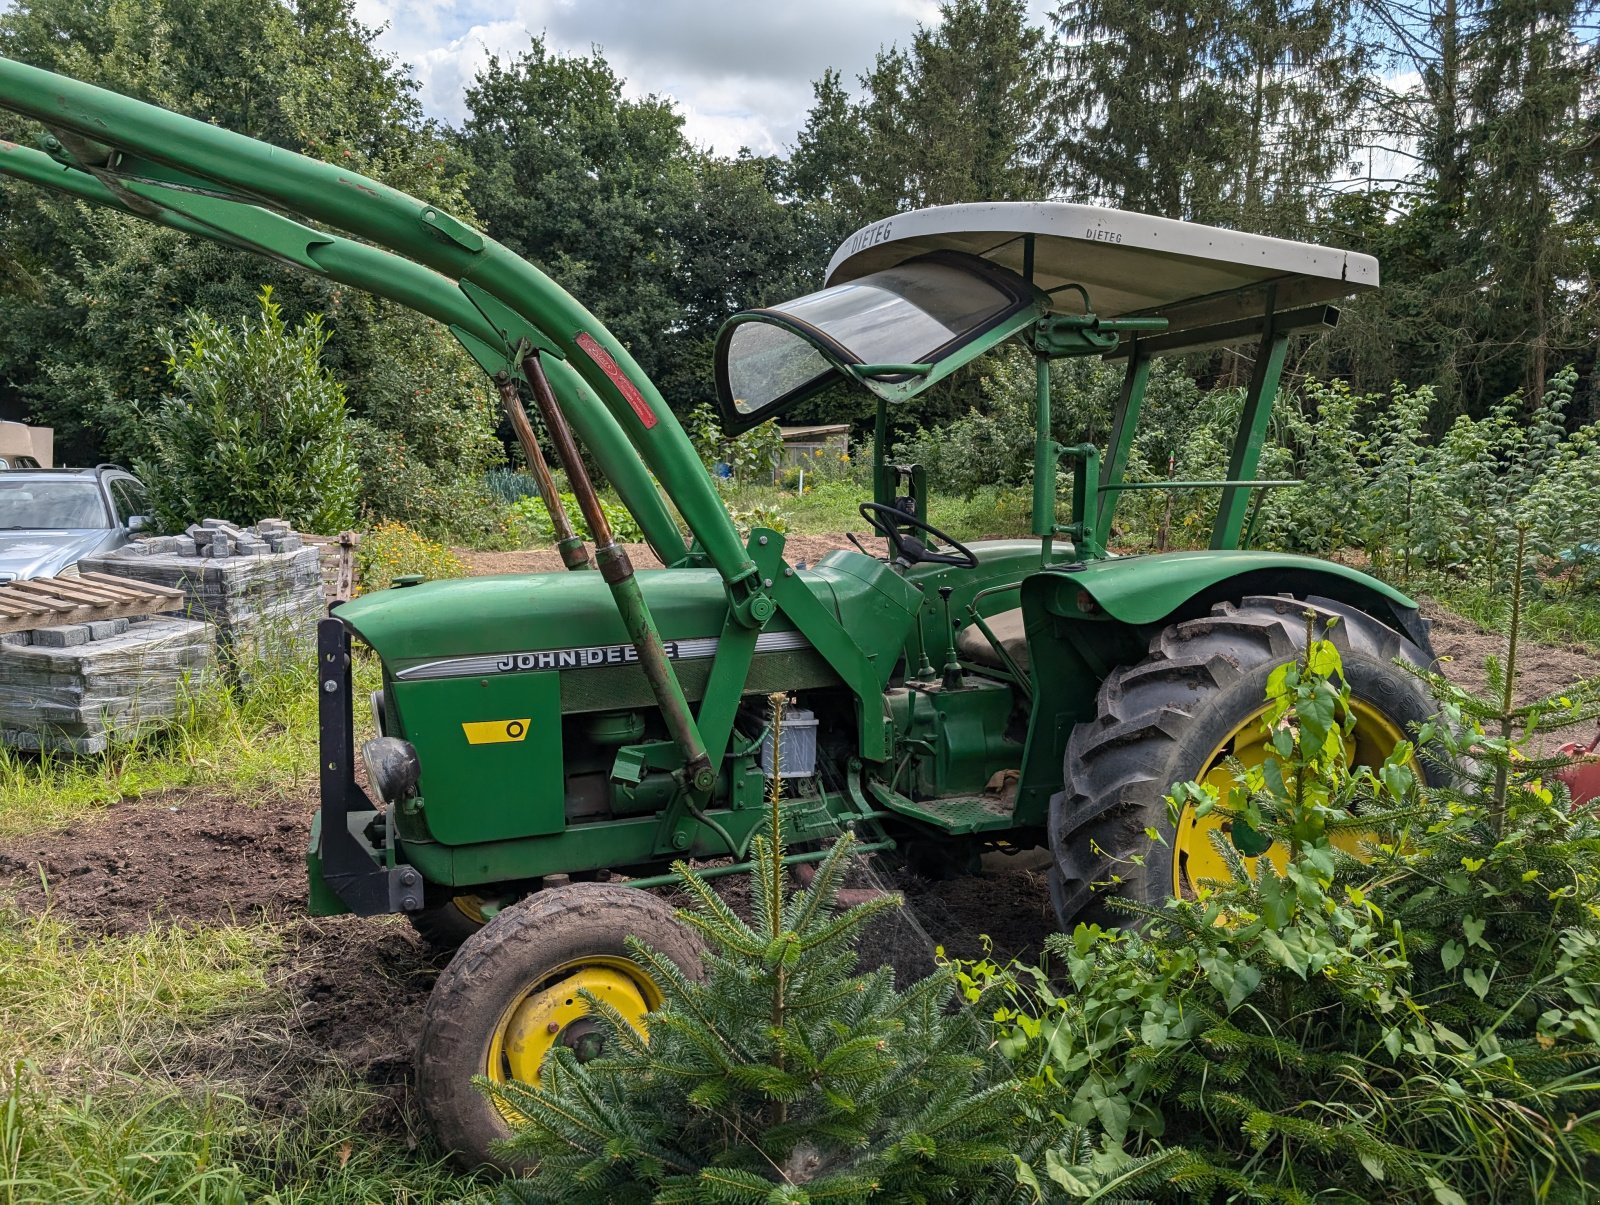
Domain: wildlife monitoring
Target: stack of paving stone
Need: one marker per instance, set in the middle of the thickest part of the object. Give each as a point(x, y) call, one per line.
point(260, 587)
point(78, 688)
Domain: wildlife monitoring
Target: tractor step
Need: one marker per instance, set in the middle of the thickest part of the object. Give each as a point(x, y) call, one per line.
point(958, 815)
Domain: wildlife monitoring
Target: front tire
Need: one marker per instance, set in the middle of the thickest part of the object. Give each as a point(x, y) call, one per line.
point(1176, 717)
point(510, 995)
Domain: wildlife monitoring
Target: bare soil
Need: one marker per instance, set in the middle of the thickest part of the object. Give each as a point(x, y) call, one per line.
point(1542, 669)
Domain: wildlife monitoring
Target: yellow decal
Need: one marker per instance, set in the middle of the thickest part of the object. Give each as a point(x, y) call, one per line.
point(495, 732)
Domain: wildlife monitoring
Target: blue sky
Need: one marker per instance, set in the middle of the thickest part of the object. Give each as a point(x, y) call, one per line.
point(739, 70)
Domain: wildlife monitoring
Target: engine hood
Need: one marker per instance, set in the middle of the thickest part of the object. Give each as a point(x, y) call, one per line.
point(27, 554)
point(417, 628)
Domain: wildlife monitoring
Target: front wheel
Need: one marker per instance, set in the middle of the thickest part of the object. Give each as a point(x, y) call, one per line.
point(510, 996)
point(1178, 716)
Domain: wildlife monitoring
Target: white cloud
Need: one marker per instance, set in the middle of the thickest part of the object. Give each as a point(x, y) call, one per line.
point(739, 71)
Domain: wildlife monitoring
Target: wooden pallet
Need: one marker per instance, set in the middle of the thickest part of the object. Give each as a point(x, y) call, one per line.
point(47, 602)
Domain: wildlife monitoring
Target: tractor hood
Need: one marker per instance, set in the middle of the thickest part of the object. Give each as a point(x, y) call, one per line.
point(466, 626)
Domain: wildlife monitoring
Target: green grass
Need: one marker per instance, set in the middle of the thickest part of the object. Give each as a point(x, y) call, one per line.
point(259, 739)
point(1566, 619)
point(110, 1088)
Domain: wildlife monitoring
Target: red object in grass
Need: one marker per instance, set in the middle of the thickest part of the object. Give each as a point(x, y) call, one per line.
point(1583, 775)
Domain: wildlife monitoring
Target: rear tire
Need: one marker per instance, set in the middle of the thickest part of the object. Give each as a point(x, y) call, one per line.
point(1173, 717)
point(531, 955)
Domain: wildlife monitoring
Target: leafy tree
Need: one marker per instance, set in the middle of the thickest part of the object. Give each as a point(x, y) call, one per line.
point(85, 288)
point(254, 428)
point(1416, 1026)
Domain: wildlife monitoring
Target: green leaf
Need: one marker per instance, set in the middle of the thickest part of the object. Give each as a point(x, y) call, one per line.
point(1248, 841)
point(1451, 954)
point(1477, 980)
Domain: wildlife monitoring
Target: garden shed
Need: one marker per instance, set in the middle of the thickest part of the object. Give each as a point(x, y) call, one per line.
point(802, 445)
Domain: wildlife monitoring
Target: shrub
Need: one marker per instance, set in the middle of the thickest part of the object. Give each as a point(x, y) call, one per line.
point(752, 456)
point(392, 550)
point(532, 517)
point(255, 427)
point(1420, 1026)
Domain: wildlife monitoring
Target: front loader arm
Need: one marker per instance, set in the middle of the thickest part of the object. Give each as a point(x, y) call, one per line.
point(212, 182)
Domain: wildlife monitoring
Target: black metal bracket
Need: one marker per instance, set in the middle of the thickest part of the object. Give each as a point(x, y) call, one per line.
point(351, 872)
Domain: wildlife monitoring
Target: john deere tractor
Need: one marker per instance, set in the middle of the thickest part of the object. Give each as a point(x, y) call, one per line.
point(545, 745)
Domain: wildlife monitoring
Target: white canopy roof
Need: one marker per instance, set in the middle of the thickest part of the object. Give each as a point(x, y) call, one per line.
point(1130, 263)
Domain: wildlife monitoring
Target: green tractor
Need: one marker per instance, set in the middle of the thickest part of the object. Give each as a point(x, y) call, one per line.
point(546, 745)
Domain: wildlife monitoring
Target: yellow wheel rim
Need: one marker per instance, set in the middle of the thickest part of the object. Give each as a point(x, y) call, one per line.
point(551, 1013)
point(471, 907)
point(1195, 859)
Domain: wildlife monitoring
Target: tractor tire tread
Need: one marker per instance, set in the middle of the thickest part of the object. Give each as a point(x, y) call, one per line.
point(496, 965)
point(1116, 769)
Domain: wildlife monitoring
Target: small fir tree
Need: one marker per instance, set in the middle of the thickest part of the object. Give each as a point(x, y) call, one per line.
point(786, 1075)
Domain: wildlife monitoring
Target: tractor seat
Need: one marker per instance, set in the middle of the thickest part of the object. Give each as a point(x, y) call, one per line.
point(972, 645)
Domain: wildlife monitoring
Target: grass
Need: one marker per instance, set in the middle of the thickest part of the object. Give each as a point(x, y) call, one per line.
point(126, 1064)
point(258, 738)
point(1567, 618)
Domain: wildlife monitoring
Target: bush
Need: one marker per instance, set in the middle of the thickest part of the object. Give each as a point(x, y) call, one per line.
point(1419, 1026)
point(392, 550)
point(752, 456)
point(532, 518)
point(255, 429)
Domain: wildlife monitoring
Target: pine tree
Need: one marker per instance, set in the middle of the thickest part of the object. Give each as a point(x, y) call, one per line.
point(785, 1076)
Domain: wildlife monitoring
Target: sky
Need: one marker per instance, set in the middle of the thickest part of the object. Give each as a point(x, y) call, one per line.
point(739, 70)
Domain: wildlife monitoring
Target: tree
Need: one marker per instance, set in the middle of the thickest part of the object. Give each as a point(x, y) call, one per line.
point(1487, 245)
point(86, 291)
point(1234, 113)
point(590, 186)
point(786, 1075)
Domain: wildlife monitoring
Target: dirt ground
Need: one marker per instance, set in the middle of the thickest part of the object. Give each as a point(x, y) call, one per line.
point(356, 987)
point(1542, 669)
point(797, 550)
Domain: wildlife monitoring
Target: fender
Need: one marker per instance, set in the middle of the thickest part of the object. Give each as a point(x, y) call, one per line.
point(1085, 619)
point(1170, 586)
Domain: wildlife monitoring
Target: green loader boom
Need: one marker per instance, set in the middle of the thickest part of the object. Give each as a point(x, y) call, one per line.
point(536, 731)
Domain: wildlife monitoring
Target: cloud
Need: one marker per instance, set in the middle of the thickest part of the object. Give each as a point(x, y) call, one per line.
point(740, 71)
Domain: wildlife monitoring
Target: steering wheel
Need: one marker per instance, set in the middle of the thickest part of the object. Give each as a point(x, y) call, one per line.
point(887, 522)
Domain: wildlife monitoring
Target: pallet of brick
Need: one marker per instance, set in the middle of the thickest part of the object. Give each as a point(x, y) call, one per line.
point(81, 688)
point(259, 587)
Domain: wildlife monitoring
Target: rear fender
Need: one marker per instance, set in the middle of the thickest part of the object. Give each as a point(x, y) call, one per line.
point(1084, 620)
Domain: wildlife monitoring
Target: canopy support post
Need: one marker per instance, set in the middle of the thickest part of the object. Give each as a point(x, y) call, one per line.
point(1251, 435)
point(1123, 426)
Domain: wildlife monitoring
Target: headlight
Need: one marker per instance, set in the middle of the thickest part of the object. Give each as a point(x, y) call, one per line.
point(392, 767)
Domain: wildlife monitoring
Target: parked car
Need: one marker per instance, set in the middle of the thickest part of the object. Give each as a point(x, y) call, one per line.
point(52, 518)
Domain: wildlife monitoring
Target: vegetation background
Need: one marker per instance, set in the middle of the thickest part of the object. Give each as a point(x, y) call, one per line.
point(1272, 115)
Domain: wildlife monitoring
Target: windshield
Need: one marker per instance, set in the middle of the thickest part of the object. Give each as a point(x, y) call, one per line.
point(913, 313)
point(51, 505)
